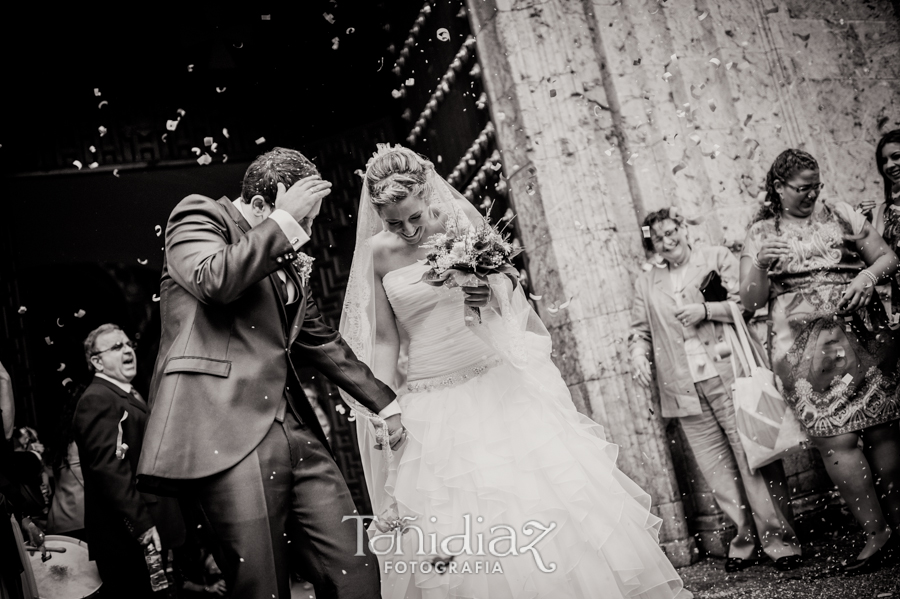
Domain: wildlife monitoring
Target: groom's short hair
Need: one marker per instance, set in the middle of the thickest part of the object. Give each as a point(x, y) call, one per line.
point(279, 165)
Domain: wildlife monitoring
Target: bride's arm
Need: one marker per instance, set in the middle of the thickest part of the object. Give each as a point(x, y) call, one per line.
point(387, 338)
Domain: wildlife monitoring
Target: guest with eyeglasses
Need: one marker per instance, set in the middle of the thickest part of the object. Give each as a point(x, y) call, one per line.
point(108, 427)
point(815, 264)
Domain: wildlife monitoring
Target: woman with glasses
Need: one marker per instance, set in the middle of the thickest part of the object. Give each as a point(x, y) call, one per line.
point(815, 265)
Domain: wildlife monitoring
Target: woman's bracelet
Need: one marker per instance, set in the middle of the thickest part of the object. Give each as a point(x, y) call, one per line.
point(759, 264)
point(871, 276)
point(706, 307)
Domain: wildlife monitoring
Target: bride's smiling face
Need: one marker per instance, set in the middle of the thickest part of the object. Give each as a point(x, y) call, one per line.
point(410, 219)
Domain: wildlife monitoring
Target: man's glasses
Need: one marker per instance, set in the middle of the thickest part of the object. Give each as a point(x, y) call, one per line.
point(117, 347)
point(805, 188)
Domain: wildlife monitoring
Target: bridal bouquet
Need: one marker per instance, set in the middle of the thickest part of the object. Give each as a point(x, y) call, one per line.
point(466, 259)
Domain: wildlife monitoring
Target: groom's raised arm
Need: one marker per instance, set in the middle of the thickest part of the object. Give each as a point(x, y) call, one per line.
point(326, 349)
point(201, 258)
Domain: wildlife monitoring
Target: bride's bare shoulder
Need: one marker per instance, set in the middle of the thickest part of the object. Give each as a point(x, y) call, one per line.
point(385, 247)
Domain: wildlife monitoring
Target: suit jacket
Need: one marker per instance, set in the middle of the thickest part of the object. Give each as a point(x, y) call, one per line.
point(115, 513)
point(655, 329)
point(227, 350)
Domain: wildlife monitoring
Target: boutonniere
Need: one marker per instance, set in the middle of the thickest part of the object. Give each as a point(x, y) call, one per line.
point(303, 265)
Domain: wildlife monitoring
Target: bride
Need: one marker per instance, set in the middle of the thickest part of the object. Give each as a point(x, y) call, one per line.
point(502, 488)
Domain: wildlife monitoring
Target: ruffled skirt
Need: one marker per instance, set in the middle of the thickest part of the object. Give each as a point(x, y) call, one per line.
point(502, 473)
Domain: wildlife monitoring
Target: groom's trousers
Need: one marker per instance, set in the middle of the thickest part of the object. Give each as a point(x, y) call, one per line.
point(279, 511)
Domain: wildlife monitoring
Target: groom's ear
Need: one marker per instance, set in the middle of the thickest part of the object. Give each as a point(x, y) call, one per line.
point(258, 205)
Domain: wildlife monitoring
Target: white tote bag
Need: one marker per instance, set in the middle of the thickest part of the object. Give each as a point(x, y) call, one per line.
point(768, 428)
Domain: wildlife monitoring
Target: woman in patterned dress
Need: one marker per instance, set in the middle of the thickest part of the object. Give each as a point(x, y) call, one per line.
point(886, 216)
point(832, 348)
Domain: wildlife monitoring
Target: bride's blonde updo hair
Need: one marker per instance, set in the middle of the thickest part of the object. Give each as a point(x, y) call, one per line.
point(395, 173)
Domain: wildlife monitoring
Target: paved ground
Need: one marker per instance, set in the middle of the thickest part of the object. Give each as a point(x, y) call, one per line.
point(837, 541)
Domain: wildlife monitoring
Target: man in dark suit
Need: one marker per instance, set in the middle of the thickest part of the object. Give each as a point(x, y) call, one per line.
point(230, 427)
point(109, 426)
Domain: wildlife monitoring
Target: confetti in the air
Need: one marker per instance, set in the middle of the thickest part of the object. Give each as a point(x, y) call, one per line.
point(171, 125)
point(646, 232)
point(80, 314)
point(196, 150)
point(265, 17)
point(94, 165)
point(410, 82)
point(190, 68)
point(158, 230)
point(350, 30)
point(335, 43)
point(631, 158)
point(339, 408)
point(97, 92)
point(102, 130)
point(115, 172)
point(666, 76)
point(22, 309)
point(695, 138)
point(703, 15)
point(58, 324)
point(715, 61)
point(728, 65)
point(142, 261)
point(443, 35)
point(77, 164)
point(62, 366)
point(66, 381)
point(609, 152)
point(92, 149)
point(328, 17)
point(220, 89)
point(225, 133)
point(847, 379)
point(207, 141)
point(260, 141)
point(535, 297)
point(102, 104)
point(155, 297)
point(48, 340)
point(204, 160)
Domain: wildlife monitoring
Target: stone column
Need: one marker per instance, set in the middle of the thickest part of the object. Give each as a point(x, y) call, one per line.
point(578, 222)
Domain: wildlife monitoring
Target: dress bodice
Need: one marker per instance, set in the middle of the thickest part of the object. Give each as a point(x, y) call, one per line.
point(441, 346)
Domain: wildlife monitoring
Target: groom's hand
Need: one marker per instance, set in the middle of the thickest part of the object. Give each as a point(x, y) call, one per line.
point(396, 432)
point(303, 198)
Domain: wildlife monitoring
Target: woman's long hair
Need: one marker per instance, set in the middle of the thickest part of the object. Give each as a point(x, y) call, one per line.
point(786, 165)
point(891, 137)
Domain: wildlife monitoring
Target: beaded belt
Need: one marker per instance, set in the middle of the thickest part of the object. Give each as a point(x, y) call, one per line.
point(454, 378)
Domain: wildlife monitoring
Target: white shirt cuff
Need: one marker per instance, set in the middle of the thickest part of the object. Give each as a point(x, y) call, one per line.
point(391, 409)
point(291, 228)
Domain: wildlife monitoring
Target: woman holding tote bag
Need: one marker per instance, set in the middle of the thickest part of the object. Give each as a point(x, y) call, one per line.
point(684, 335)
point(817, 266)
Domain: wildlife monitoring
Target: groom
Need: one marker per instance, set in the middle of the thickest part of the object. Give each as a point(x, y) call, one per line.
point(230, 429)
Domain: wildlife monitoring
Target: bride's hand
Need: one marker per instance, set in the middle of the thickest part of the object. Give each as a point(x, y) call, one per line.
point(477, 297)
point(396, 433)
point(642, 371)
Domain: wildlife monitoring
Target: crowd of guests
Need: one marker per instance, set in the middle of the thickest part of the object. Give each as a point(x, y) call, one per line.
point(813, 267)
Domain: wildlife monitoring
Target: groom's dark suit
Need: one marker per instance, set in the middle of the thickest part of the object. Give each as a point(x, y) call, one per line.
point(229, 418)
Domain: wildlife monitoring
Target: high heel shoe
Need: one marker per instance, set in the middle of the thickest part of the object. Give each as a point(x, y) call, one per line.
point(885, 555)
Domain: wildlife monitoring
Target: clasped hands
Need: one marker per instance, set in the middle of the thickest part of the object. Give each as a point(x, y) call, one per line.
point(396, 433)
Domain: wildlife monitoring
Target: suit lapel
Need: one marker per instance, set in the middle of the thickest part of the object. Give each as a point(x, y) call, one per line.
point(662, 282)
point(128, 397)
point(244, 227)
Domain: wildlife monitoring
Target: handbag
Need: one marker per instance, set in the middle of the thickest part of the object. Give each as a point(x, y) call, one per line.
point(767, 426)
point(712, 289)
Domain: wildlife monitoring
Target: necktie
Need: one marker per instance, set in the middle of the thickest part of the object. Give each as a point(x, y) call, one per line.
point(136, 395)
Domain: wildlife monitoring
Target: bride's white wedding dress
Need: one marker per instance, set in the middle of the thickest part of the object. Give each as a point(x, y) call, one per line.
point(505, 446)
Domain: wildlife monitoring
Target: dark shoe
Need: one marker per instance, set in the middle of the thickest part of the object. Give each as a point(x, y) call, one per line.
point(736, 564)
point(788, 562)
point(885, 555)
